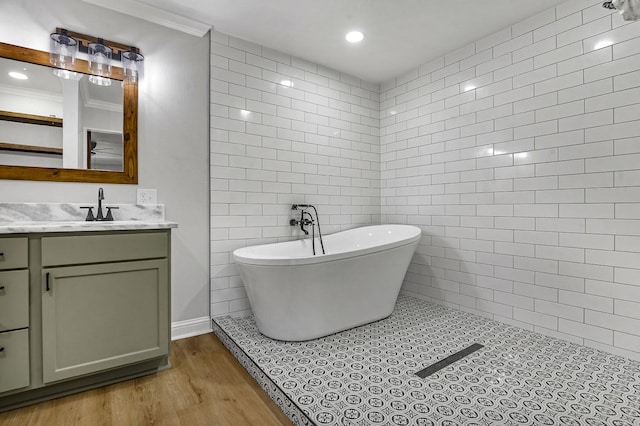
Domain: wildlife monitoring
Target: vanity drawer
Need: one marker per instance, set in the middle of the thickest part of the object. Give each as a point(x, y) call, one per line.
point(14, 253)
point(81, 249)
point(14, 300)
point(14, 360)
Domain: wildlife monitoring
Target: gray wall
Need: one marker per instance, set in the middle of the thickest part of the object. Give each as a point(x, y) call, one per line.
point(173, 130)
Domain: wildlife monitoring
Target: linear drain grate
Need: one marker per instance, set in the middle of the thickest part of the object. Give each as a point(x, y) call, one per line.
point(433, 368)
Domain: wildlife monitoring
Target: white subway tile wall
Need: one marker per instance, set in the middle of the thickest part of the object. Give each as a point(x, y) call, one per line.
point(284, 131)
point(519, 157)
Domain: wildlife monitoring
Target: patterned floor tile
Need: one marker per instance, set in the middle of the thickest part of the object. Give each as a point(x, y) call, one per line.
point(366, 375)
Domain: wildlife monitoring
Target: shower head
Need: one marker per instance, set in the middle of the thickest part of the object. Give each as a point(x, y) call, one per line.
point(608, 5)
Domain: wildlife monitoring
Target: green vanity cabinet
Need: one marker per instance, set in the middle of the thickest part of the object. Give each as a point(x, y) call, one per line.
point(14, 359)
point(13, 253)
point(86, 309)
point(14, 314)
point(97, 317)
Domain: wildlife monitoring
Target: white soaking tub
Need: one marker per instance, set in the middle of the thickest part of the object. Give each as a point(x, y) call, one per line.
point(297, 296)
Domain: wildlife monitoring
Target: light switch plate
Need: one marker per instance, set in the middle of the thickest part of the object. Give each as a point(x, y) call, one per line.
point(147, 196)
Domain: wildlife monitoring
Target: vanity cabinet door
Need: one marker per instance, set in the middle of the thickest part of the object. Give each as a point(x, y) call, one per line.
point(14, 300)
point(14, 360)
point(102, 316)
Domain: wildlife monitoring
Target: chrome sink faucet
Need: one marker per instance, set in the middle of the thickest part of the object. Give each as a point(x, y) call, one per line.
point(99, 216)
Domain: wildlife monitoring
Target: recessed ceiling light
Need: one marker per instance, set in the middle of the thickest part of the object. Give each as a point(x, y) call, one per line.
point(354, 36)
point(286, 83)
point(18, 75)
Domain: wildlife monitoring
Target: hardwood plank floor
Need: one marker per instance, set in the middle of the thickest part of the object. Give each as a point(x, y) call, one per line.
point(205, 386)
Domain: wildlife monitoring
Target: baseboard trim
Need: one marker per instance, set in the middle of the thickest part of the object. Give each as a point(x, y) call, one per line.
point(190, 328)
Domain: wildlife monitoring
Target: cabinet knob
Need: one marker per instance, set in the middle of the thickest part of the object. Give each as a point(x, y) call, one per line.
point(2, 349)
point(1, 257)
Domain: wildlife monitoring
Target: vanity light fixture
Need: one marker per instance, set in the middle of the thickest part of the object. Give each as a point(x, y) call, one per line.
point(67, 75)
point(99, 81)
point(354, 36)
point(63, 49)
point(100, 55)
point(133, 65)
point(100, 63)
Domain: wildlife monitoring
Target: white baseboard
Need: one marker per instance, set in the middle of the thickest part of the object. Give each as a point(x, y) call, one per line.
point(190, 328)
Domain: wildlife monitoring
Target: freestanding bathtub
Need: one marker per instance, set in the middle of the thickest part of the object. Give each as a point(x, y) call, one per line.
point(297, 296)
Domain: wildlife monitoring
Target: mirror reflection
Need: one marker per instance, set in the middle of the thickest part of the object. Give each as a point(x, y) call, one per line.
point(50, 121)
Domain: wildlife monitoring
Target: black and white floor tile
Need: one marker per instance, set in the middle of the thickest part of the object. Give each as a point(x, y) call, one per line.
point(366, 375)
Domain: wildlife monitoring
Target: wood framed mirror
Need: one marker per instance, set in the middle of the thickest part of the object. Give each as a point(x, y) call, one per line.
point(126, 172)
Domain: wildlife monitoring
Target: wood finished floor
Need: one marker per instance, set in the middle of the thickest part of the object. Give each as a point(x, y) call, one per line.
point(206, 386)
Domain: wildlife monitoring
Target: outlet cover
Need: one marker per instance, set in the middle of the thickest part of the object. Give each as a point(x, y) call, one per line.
point(147, 196)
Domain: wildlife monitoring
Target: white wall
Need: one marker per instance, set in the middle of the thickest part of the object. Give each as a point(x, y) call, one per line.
point(31, 102)
point(528, 186)
point(29, 134)
point(173, 131)
point(315, 142)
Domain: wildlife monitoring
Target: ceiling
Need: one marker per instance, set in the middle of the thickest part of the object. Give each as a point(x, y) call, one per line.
point(40, 79)
point(43, 84)
point(399, 34)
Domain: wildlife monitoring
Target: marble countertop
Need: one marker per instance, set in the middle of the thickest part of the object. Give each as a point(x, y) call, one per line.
point(16, 218)
point(78, 226)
